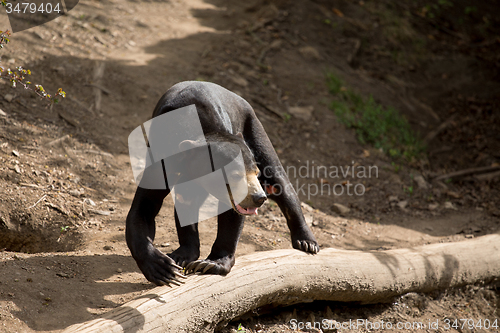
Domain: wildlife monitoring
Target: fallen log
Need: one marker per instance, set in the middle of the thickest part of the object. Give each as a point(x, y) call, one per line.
point(285, 277)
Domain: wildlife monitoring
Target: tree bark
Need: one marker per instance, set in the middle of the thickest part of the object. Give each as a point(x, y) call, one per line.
point(285, 277)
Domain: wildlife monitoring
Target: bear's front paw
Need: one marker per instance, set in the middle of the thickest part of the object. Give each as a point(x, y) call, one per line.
point(309, 246)
point(206, 266)
point(160, 269)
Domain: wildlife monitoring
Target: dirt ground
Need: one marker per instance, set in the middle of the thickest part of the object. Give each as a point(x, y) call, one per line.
point(63, 203)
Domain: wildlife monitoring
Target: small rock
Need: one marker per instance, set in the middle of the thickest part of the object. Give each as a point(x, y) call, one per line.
point(165, 245)
point(119, 270)
point(453, 194)
point(422, 184)
point(301, 112)
point(429, 228)
point(75, 193)
point(89, 201)
point(64, 275)
point(17, 168)
point(393, 198)
point(306, 207)
point(469, 236)
point(239, 81)
point(309, 219)
point(340, 209)
point(8, 97)
point(107, 248)
point(38, 35)
point(2, 113)
point(100, 212)
point(310, 52)
point(449, 205)
point(403, 204)
point(15, 153)
point(433, 206)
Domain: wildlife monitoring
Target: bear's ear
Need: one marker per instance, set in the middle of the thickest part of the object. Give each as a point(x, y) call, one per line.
point(187, 144)
point(240, 135)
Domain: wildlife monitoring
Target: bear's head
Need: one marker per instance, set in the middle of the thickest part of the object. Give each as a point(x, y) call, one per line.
point(230, 155)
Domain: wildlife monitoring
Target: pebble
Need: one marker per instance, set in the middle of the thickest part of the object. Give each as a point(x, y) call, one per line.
point(309, 219)
point(8, 97)
point(453, 194)
point(449, 205)
point(301, 112)
point(433, 206)
point(89, 201)
point(119, 270)
point(100, 212)
point(393, 198)
point(306, 207)
point(2, 113)
point(340, 209)
point(239, 81)
point(422, 184)
point(75, 193)
point(403, 204)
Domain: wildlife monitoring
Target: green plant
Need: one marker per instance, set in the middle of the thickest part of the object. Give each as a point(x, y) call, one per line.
point(409, 190)
point(470, 9)
point(334, 83)
point(241, 328)
point(18, 76)
point(374, 124)
point(287, 117)
point(435, 9)
point(396, 167)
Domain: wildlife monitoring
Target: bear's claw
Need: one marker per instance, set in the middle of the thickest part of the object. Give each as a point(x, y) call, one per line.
point(201, 266)
point(308, 246)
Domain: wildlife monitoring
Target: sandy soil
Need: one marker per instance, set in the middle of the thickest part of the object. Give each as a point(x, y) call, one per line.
point(63, 205)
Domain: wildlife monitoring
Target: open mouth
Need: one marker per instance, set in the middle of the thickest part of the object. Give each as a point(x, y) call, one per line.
point(238, 208)
point(245, 211)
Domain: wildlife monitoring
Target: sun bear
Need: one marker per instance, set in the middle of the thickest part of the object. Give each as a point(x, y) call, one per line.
point(220, 163)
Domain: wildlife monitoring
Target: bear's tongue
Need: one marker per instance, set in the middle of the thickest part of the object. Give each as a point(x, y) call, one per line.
point(246, 211)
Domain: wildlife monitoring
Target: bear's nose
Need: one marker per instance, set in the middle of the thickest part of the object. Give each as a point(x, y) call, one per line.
point(259, 199)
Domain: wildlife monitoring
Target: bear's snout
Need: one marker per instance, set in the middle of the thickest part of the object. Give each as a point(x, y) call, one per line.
point(259, 199)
